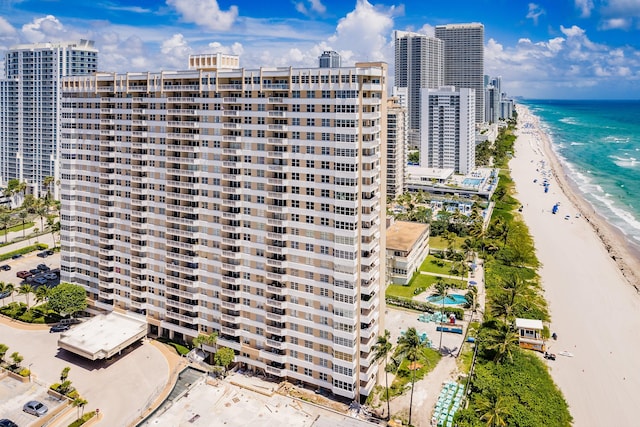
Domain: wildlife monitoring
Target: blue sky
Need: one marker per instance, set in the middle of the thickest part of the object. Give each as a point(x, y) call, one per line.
point(542, 49)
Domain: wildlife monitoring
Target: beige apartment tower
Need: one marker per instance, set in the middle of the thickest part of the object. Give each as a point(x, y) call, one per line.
point(249, 202)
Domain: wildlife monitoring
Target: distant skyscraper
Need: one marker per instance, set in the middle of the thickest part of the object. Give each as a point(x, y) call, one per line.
point(330, 59)
point(419, 64)
point(448, 129)
point(396, 147)
point(464, 59)
point(491, 104)
point(29, 107)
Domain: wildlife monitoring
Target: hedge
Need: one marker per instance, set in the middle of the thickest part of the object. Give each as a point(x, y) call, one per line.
point(423, 306)
point(25, 250)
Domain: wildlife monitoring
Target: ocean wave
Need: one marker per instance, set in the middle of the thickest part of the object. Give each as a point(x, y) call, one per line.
point(577, 143)
point(615, 139)
point(569, 120)
point(619, 214)
point(625, 162)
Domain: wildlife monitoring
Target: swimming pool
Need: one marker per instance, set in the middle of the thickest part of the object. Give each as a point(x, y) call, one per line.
point(472, 181)
point(453, 299)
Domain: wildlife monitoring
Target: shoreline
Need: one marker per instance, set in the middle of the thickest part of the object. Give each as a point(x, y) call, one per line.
point(594, 311)
point(614, 240)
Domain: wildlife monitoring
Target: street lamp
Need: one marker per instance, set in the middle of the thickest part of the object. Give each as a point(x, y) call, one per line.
point(30, 365)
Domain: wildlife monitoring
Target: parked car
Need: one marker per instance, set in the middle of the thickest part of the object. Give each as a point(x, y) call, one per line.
point(43, 267)
point(51, 276)
point(7, 423)
point(16, 256)
point(49, 252)
point(5, 267)
point(43, 254)
point(36, 408)
point(4, 295)
point(34, 271)
point(59, 328)
point(23, 274)
point(40, 280)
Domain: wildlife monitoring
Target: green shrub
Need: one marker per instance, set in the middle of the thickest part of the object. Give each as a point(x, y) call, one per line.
point(25, 250)
point(86, 417)
point(24, 372)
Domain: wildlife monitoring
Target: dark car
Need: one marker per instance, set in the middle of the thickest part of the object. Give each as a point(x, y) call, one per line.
point(36, 408)
point(49, 252)
point(5, 267)
point(43, 267)
point(40, 280)
point(34, 271)
point(59, 328)
point(16, 256)
point(51, 276)
point(23, 274)
point(7, 423)
point(43, 254)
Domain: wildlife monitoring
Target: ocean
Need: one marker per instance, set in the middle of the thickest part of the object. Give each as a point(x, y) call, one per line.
point(598, 142)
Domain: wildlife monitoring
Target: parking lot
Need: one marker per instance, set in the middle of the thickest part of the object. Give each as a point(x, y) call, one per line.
point(14, 394)
point(29, 262)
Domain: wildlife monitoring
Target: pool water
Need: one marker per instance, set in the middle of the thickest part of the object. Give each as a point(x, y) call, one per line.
point(472, 181)
point(453, 299)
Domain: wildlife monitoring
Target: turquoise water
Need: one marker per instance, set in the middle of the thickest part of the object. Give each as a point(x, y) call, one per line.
point(599, 144)
point(453, 299)
point(472, 181)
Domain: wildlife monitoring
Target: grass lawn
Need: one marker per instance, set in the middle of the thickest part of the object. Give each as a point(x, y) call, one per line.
point(16, 228)
point(408, 291)
point(429, 265)
point(427, 362)
point(437, 242)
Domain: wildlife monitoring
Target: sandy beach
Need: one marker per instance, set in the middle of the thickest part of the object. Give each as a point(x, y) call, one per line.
point(587, 273)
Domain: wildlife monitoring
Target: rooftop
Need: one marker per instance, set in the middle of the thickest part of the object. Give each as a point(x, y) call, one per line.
point(529, 323)
point(103, 336)
point(403, 235)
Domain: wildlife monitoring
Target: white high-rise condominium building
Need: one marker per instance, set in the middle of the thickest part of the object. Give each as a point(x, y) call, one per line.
point(29, 107)
point(396, 147)
point(330, 59)
point(464, 59)
point(419, 64)
point(448, 129)
point(249, 202)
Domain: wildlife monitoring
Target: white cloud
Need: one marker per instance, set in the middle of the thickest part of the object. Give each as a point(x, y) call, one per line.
point(428, 30)
point(317, 6)
point(6, 29)
point(43, 29)
point(534, 12)
point(205, 13)
point(619, 8)
point(177, 51)
point(233, 49)
point(585, 6)
point(615, 24)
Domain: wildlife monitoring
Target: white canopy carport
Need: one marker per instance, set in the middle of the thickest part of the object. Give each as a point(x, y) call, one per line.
point(103, 336)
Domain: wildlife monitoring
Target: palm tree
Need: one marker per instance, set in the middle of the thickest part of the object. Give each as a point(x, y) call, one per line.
point(42, 294)
point(53, 227)
point(46, 183)
point(6, 288)
point(381, 351)
point(503, 341)
point(411, 347)
point(23, 214)
point(441, 291)
point(5, 219)
point(79, 403)
point(493, 409)
point(26, 290)
point(3, 351)
point(42, 209)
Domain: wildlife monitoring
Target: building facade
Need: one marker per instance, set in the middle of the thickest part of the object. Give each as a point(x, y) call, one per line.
point(407, 247)
point(419, 64)
point(330, 59)
point(396, 148)
point(29, 107)
point(448, 129)
point(245, 202)
point(464, 59)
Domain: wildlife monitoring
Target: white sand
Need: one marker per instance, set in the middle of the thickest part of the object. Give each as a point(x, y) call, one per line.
point(595, 309)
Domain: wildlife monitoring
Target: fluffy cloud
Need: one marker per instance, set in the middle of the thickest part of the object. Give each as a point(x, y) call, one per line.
point(43, 29)
point(585, 6)
point(233, 49)
point(534, 12)
point(615, 24)
point(177, 51)
point(205, 13)
point(315, 6)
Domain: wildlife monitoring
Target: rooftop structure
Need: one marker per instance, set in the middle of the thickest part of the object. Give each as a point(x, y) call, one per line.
point(214, 61)
point(330, 59)
point(407, 247)
point(103, 336)
point(246, 202)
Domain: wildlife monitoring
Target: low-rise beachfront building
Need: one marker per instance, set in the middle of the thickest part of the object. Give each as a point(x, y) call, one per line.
point(530, 334)
point(481, 182)
point(407, 247)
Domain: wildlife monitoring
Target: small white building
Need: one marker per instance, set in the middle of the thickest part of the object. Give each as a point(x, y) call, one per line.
point(407, 247)
point(530, 334)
